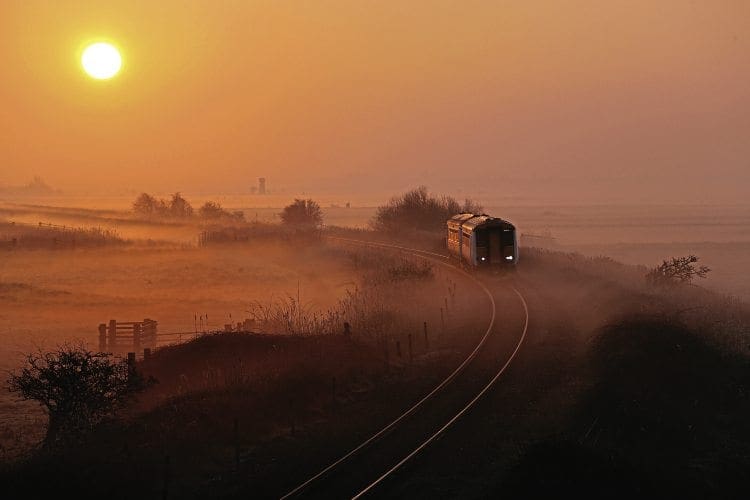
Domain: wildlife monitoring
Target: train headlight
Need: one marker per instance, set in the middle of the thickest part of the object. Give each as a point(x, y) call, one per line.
point(484, 258)
point(509, 257)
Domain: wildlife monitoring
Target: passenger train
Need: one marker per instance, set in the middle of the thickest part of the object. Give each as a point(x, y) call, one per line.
point(480, 240)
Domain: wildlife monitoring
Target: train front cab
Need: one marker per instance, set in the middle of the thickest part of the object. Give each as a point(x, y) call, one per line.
point(495, 245)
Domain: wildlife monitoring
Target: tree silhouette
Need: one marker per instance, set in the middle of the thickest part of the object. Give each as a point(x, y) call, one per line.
point(77, 388)
point(303, 213)
point(418, 209)
point(212, 210)
point(179, 207)
point(677, 270)
point(148, 205)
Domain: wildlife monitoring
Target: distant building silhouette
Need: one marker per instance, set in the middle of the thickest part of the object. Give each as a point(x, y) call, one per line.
point(261, 185)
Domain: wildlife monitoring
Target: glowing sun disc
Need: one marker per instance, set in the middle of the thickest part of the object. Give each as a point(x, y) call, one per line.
point(101, 60)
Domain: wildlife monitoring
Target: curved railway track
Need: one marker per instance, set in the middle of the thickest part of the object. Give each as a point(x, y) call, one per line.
point(442, 260)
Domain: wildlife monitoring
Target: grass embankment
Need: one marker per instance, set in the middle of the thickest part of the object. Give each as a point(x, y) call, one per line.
point(620, 390)
point(666, 374)
point(286, 393)
point(275, 389)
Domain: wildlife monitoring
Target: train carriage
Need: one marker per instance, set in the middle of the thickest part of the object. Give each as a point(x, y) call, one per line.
point(480, 240)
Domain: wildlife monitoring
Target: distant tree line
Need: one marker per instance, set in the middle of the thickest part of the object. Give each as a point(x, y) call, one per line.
point(418, 209)
point(177, 207)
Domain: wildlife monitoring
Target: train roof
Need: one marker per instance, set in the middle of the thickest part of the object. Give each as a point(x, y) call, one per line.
point(475, 221)
point(462, 217)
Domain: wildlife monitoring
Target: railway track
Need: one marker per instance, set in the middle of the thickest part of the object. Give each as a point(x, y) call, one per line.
point(445, 413)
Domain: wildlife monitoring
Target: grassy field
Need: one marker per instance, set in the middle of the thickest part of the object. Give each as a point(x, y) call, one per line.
point(642, 235)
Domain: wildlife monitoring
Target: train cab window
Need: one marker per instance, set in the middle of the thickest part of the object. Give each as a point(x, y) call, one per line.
point(482, 239)
point(506, 237)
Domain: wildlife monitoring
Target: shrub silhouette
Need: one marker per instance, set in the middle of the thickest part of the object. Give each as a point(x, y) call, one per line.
point(305, 213)
point(179, 207)
point(677, 270)
point(418, 209)
point(212, 210)
point(78, 388)
point(149, 206)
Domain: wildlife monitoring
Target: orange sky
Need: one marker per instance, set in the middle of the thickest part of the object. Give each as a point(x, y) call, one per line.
point(561, 100)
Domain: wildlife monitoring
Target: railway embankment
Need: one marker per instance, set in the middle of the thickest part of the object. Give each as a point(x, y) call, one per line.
point(621, 389)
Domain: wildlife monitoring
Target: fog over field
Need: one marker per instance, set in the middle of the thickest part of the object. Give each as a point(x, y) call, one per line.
point(635, 234)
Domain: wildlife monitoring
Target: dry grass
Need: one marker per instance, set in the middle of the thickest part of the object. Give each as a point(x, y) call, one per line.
point(21, 236)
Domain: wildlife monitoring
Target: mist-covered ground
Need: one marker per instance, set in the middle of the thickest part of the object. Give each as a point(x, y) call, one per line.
point(634, 234)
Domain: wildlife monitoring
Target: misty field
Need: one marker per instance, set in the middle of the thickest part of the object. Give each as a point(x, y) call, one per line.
point(51, 297)
point(55, 294)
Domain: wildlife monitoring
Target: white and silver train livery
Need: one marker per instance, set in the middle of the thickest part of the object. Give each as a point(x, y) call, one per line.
point(480, 240)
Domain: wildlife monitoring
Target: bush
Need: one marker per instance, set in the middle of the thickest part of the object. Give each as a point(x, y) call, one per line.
point(77, 388)
point(149, 206)
point(419, 210)
point(306, 213)
point(212, 210)
point(677, 270)
point(179, 207)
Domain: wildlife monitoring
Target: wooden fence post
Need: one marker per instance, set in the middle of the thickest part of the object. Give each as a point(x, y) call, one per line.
point(112, 335)
point(131, 364)
point(149, 332)
point(102, 337)
point(426, 340)
point(137, 337)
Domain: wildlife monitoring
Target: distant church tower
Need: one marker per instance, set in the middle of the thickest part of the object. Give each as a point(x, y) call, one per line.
point(261, 185)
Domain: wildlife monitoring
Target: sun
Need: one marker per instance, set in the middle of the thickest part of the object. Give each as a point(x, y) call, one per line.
point(101, 60)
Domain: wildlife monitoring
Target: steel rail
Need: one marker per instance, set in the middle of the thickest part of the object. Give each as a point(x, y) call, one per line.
point(385, 430)
point(458, 415)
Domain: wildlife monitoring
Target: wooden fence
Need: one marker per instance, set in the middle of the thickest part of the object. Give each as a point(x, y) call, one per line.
point(122, 336)
point(132, 336)
point(126, 335)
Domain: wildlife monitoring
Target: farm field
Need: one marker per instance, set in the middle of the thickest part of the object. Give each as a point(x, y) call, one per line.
point(59, 295)
point(53, 297)
point(640, 235)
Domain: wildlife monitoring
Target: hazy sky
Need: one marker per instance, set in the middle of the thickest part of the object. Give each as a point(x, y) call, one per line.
point(573, 100)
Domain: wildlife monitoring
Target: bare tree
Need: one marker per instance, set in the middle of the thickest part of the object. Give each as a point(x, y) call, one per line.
point(179, 207)
point(212, 210)
point(677, 270)
point(77, 388)
point(148, 205)
point(306, 213)
point(418, 209)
